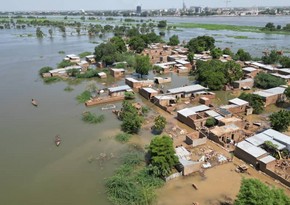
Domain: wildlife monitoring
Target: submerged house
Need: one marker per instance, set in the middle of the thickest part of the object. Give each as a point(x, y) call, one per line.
point(119, 90)
point(72, 58)
point(165, 102)
point(148, 93)
point(133, 83)
point(117, 72)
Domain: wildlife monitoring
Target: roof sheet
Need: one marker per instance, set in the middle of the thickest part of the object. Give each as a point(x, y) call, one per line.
point(150, 90)
point(191, 111)
point(251, 149)
point(249, 69)
point(267, 159)
point(238, 101)
point(270, 92)
point(119, 88)
point(278, 136)
point(258, 139)
point(187, 89)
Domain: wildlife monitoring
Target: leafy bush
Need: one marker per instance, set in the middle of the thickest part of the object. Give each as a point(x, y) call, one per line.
point(255, 101)
point(68, 89)
point(280, 121)
point(123, 137)
point(64, 64)
point(266, 81)
point(210, 122)
point(92, 118)
point(91, 73)
point(84, 54)
point(44, 70)
point(51, 80)
point(84, 96)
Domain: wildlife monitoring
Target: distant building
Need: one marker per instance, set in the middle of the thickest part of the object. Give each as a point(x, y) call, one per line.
point(138, 10)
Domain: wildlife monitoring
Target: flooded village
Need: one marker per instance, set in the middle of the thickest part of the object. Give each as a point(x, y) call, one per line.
point(190, 108)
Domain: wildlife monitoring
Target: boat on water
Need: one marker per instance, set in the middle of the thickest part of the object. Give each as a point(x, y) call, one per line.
point(57, 140)
point(34, 102)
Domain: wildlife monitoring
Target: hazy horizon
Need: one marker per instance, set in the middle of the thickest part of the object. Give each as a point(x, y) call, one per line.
point(56, 5)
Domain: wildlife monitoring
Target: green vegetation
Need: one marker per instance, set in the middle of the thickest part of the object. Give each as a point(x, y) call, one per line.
point(123, 137)
point(84, 96)
point(129, 95)
point(242, 55)
point(45, 69)
point(51, 80)
point(271, 58)
point(280, 121)
point(173, 40)
point(159, 123)
point(106, 53)
point(266, 81)
point(90, 73)
point(162, 24)
point(255, 101)
point(215, 74)
point(68, 89)
point(287, 92)
point(84, 54)
point(142, 65)
point(231, 28)
point(210, 122)
point(254, 192)
point(131, 121)
point(200, 44)
point(61, 52)
point(39, 33)
point(92, 118)
point(64, 64)
point(132, 184)
point(216, 53)
point(162, 156)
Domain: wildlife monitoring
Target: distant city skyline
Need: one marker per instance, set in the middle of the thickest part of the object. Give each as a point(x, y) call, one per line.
point(21, 5)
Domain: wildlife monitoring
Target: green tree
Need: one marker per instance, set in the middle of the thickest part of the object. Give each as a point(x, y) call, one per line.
point(119, 44)
point(50, 32)
point(271, 58)
point(243, 55)
point(39, 33)
point(210, 122)
point(200, 44)
point(255, 101)
point(131, 121)
point(254, 192)
point(285, 61)
point(270, 26)
point(227, 51)
point(216, 53)
point(162, 155)
point(162, 24)
point(142, 65)
point(280, 121)
point(45, 69)
point(266, 81)
point(232, 71)
point(106, 52)
point(159, 123)
point(287, 92)
point(190, 57)
point(137, 44)
point(173, 40)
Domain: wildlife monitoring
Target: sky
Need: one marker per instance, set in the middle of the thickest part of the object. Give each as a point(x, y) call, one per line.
point(20, 5)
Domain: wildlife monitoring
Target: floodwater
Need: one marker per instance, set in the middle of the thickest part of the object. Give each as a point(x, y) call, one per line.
point(32, 169)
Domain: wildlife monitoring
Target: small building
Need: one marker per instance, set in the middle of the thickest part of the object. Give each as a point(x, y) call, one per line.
point(72, 58)
point(266, 68)
point(227, 134)
point(84, 65)
point(102, 75)
point(117, 72)
point(231, 120)
point(91, 59)
point(182, 70)
point(245, 84)
point(249, 153)
point(195, 139)
point(267, 163)
point(62, 72)
point(279, 137)
point(183, 63)
point(272, 96)
point(250, 72)
point(165, 102)
point(186, 91)
point(119, 91)
point(133, 83)
point(237, 106)
point(148, 93)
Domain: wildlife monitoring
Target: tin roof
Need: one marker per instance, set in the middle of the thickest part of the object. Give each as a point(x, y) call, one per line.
point(267, 159)
point(150, 90)
point(278, 136)
point(187, 89)
point(238, 101)
point(119, 88)
point(258, 139)
point(251, 149)
point(249, 69)
point(270, 92)
point(193, 110)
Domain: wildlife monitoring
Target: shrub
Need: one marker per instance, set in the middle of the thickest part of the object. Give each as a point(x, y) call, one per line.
point(123, 137)
point(92, 118)
point(44, 70)
point(84, 96)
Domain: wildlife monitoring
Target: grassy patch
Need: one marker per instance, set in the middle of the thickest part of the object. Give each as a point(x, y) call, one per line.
point(68, 89)
point(84, 54)
point(92, 118)
point(51, 80)
point(84, 96)
point(61, 52)
point(123, 137)
point(229, 27)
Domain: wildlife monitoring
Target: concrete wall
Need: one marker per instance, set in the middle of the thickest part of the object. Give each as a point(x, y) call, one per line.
point(247, 157)
point(191, 168)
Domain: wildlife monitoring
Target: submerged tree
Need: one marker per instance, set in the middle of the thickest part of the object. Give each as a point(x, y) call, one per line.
point(142, 65)
point(39, 33)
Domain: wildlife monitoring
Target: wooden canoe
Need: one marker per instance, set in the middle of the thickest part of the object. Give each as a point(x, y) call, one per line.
point(57, 140)
point(34, 102)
